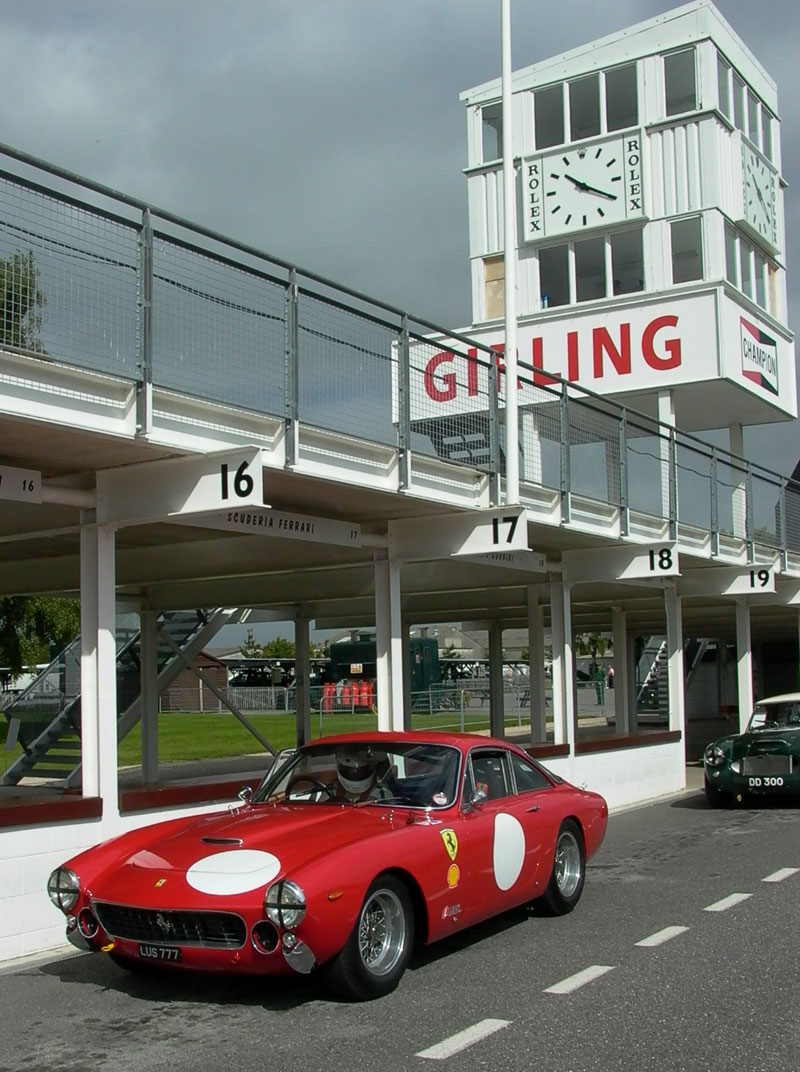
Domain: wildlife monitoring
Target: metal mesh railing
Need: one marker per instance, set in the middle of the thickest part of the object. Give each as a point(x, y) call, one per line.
point(594, 449)
point(345, 370)
point(647, 460)
point(693, 480)
point(450, 399)
point(764, 496)
point(218, 329)
point(731, 494)
point(74, 280)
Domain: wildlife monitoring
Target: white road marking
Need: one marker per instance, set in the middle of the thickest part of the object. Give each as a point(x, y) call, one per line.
point(468, 1037)
point(581, 978)
point(662, 936)
point(779, 876)
point(727, 902)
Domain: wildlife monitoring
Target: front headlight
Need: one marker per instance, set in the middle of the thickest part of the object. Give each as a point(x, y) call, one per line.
point(64, 888)
point(714, 755)
point(285, 904)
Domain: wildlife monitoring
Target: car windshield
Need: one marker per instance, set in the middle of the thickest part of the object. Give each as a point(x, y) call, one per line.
point(407, 774)
point(770, 716)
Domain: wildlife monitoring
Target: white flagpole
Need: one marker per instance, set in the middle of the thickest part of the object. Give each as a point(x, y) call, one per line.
point(510, 264)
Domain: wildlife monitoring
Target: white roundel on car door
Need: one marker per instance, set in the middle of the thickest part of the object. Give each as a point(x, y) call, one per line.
point(509, 850)
point(237, 871)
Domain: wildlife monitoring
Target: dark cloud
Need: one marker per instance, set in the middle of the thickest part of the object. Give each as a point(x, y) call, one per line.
point(327, 132)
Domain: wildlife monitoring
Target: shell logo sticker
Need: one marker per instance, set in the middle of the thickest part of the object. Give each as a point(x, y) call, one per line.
point(450, 842)
point(160, 882)
point(453, 876)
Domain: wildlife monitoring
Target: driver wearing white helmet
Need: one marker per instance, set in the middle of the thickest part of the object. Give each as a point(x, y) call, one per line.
point(357, 775)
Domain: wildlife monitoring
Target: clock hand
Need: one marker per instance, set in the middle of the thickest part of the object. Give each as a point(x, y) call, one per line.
point(586, 188)
point(760, 196)
point(601, 193)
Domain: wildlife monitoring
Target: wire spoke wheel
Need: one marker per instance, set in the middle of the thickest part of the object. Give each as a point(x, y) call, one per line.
point(568, 866)
point(381, 932)
point(569, 871)
point(375, 955)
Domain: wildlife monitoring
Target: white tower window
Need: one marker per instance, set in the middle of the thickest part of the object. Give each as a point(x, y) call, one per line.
point(680, 81)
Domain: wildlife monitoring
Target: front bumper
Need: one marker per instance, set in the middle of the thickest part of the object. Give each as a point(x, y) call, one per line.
point(288, 954)
point(740, 785)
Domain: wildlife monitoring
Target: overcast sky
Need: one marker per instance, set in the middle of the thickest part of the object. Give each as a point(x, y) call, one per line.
point(326, 132)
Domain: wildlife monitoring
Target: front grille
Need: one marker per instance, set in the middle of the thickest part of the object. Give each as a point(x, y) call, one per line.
point(766, 764)
point(211, 929)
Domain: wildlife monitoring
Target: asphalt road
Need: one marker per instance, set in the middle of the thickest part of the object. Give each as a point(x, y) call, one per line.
point(682, 954)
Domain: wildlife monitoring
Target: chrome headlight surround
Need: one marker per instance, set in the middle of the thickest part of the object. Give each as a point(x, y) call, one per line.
point(714, 756)
point(64, 888)
point(285, 904)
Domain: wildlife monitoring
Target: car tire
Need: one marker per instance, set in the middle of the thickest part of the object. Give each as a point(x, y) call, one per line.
point(717, 798)
point(569, 872)
point(375, 955)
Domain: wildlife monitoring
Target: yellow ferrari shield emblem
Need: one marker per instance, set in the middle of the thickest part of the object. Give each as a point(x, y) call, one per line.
point(450, 842)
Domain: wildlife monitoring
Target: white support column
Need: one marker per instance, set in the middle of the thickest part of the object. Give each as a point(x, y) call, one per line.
point(557, 641)
point(537, 694)
point(666, 415)
point(302, 676)
point(408, 699)
point(99, 768)
point(148, 676)
point(744, 662)
point(564, 707)
point(632, 685)
point(107, 668)
point(675, 672)
point(619, 639)
point(496, 681)
point(389, 643)
point(90, 727)
point(739, 482)
point(570, 677)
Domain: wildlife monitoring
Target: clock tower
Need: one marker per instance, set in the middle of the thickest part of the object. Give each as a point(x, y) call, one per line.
point(650, 223)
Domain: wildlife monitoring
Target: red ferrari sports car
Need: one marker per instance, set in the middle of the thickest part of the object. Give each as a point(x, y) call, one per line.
point(351, 849)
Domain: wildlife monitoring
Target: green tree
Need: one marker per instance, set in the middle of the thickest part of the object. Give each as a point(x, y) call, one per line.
point(593, 644)
point(23, 301)
point(31, 625)
point(279, 648)
point(250, 649)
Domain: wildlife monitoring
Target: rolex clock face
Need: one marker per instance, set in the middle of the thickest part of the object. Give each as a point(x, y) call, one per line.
point(760, 195)
point(583, 187)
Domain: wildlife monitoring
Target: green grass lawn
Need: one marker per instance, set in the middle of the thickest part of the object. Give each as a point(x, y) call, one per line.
point(193, 736)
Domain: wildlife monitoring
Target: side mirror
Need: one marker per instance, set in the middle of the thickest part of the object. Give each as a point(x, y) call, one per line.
point(476, 800)
point(245, 793)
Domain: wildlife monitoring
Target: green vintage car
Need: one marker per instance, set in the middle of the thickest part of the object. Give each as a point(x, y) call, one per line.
point(762, 761)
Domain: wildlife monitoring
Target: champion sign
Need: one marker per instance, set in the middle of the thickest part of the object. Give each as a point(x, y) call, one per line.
point(759, 356)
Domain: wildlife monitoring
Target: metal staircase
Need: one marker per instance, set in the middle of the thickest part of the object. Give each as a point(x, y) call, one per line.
point(653, 692)
point(45, 719)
